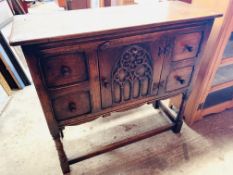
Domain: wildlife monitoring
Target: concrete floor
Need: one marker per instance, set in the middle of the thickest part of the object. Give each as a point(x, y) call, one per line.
point(27, 148)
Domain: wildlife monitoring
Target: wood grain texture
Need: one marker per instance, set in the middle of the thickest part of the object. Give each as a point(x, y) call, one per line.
point(57, 71)
point(93, 74)
point(41, 91)
point(115, 19)
point(215, 48)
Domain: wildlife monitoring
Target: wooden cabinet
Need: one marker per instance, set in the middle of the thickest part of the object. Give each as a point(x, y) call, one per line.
point(82, 73)
point(212, 92)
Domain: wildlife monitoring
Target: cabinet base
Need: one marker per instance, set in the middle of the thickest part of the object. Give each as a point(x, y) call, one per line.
point(175, 126)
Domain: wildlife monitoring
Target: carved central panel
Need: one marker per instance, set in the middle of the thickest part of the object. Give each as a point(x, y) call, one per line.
point(132, 74)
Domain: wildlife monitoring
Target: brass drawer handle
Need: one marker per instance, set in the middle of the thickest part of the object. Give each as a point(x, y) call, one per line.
point(180, 80)
point(188, 48)
point(65, 70)
point(72, 107)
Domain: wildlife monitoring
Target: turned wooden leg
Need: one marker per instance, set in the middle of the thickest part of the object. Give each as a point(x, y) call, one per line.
point(62, 156)
point(180, 115)
point(156, 104)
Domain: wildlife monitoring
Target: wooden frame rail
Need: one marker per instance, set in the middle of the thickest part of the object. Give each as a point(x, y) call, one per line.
point(175, 126)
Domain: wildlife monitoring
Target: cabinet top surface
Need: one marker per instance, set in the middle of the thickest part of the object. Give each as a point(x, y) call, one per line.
point(43, 28)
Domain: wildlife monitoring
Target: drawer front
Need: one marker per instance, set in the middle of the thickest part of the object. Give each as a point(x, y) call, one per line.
point(64, 69)
point(186, 46)
point(72, 105)
point(179, 78)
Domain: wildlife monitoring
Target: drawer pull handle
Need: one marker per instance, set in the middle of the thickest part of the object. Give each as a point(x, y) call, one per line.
point(188, 48)
point(72, 107)
point(65, 70)
point(105, 83)
point(180, 80)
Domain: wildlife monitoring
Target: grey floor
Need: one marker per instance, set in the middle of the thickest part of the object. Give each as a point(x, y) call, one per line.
point(27, 148)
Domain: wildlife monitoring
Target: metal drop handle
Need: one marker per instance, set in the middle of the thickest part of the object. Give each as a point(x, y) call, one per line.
point(188, 48)
point(180, 80)
point(65, 70)
point(72, 107)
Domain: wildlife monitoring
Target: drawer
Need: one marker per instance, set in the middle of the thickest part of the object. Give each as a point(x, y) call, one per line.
point(72, 105)
point(186, 46)
point(179, 78)
point(64, 69)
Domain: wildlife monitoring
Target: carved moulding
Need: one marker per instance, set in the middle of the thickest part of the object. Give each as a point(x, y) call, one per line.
point(132, 74)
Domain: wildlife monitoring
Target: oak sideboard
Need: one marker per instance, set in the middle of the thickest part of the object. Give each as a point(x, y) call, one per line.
point(90, 63)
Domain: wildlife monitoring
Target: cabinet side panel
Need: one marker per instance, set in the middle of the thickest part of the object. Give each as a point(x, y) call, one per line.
point(32, 61)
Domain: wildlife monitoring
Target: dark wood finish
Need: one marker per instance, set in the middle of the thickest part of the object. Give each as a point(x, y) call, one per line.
point(77, 4)
point(214, 73)
point(88, 73)
point(159, 104)
point(71, 105)
point(57, 71)
point(179, 78)
point(126, 72)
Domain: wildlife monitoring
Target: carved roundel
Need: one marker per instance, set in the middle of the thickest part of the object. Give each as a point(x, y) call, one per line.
point(133, 65)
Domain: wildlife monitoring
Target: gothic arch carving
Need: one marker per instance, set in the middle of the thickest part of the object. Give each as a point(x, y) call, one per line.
point(132, 74)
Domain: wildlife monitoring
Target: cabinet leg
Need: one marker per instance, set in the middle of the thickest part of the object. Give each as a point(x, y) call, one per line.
point(62, 156)
point(61, 132)
point(178, 126)
point(156, 104)
point(180, 115)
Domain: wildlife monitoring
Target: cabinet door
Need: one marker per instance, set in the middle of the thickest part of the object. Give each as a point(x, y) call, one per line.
point(129, 69)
